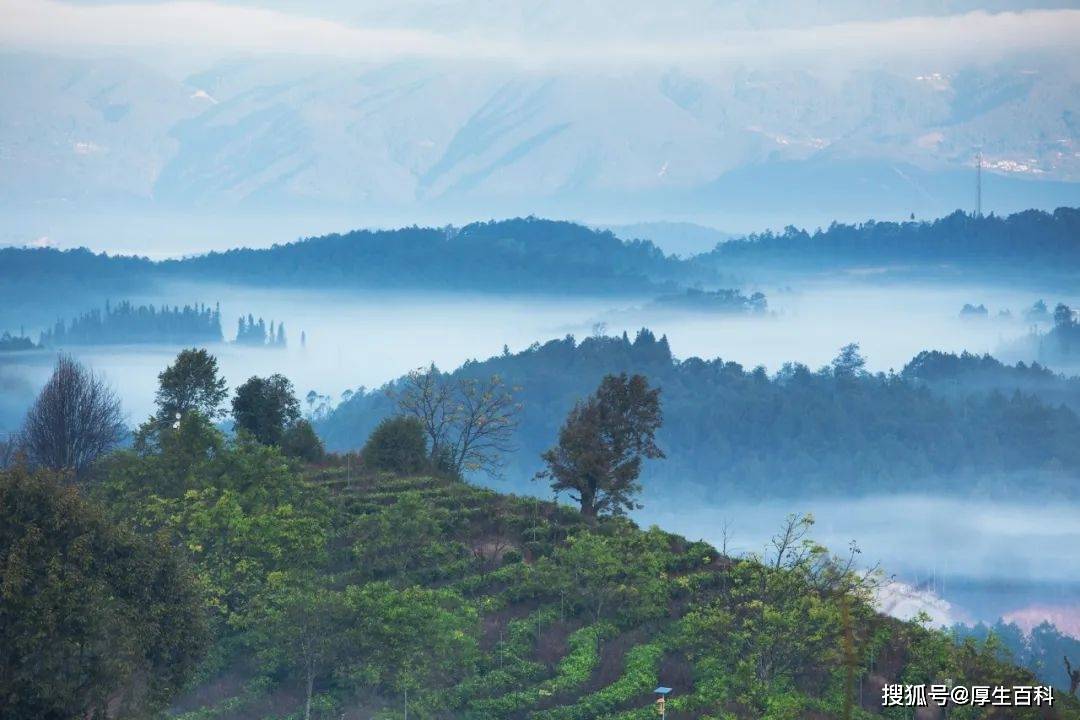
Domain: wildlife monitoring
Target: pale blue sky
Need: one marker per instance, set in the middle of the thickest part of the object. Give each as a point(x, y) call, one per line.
point(553, 31)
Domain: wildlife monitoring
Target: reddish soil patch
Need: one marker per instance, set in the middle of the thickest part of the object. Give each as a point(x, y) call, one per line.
point(222, 688)
point(278, 702)
point(493, 626)
point(552, 646)
point(886, 668)
point(613, 659)
point(676, 671)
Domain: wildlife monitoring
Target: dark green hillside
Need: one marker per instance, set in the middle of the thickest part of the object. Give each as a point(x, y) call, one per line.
point(44, 269)
point(532, 255)
point(1029, 239)
point(38, 284)
point(524, 255)
point(521, 255)
point(331, 593)
point(968, 374)
point(728, 429)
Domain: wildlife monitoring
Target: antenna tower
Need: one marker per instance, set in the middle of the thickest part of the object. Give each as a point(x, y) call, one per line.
point(978, 184)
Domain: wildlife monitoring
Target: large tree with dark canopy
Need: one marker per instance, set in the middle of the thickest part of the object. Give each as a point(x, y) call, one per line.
point(95, 621)
point(300, 441)
point(602, 443)
point(266, 407)
point(75, 420)
point(192, 382)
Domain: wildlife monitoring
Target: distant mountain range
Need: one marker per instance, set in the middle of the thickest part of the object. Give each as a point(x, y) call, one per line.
point(429, 142)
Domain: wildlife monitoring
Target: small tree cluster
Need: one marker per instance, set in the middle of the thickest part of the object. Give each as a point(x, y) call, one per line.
point(264, 408)
point(267, 409)
point(250, 331)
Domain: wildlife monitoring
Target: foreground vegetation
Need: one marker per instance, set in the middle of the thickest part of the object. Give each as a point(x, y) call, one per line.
point(332, 590)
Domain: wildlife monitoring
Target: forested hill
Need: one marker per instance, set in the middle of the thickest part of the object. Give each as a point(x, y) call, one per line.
point(513, 255)
point(520, 255)
point(732, 430)
point(1030, 239)
point(202, 576)
point(967, 373)
point(32, 275)
point(545, 256)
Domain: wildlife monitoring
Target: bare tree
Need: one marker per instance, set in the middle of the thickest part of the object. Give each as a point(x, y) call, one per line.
point(75, 420)
point(790, 547)
point(429, 398)
point(470, 423)
point(725, 537)
point(485, 420)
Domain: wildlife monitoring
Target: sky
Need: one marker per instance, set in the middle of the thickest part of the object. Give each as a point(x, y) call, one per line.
point(558, 32)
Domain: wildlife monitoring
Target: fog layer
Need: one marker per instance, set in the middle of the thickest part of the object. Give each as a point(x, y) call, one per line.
point(366, 339)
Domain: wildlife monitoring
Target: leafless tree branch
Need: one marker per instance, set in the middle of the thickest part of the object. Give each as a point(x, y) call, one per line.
point(471, 422)
point(75, 420)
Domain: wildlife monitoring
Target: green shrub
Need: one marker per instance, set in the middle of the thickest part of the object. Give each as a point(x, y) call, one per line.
point(397, 445)
point(573, 671)
point(639, 677)
point(301, 442)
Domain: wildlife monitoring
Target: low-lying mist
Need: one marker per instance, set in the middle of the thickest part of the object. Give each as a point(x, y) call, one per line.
point(985, 557)
point(356, 339)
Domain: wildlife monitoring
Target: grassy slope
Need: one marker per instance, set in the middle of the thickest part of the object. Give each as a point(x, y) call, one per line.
point(542, 659)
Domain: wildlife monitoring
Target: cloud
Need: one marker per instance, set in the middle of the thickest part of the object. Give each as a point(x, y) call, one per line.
point(1065, 618)
point(212, 28)
point(203, 27)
